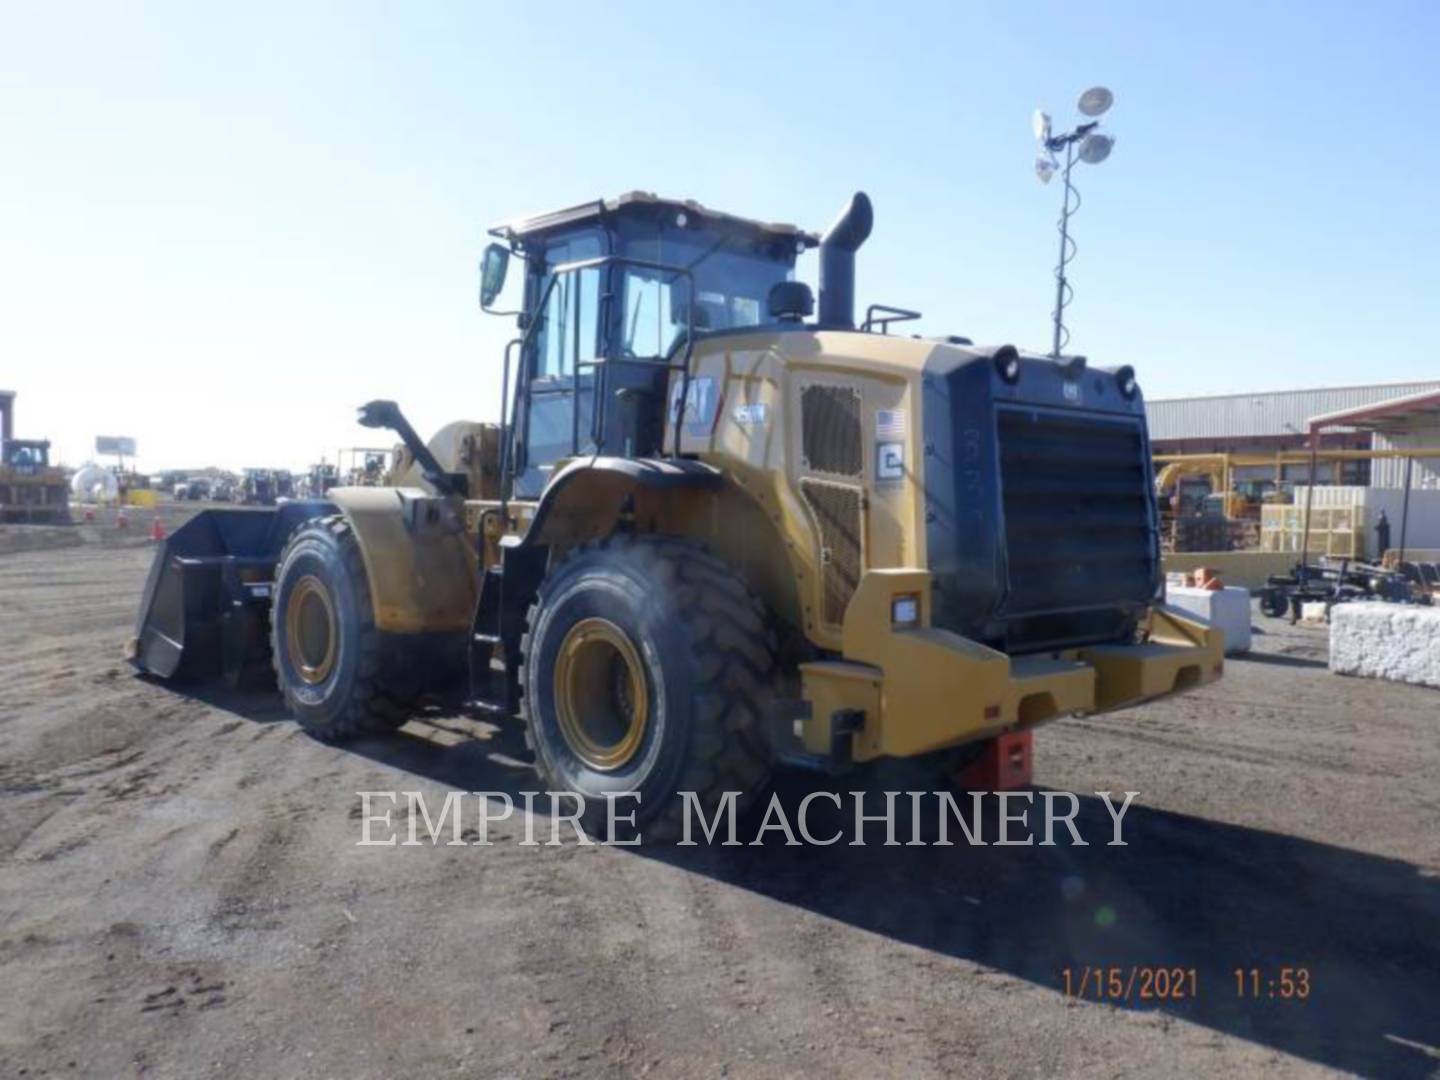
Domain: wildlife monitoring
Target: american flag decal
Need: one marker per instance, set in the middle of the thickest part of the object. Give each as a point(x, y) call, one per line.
point(889, 423)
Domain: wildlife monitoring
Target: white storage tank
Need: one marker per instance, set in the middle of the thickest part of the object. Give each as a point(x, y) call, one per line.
point(94, 483)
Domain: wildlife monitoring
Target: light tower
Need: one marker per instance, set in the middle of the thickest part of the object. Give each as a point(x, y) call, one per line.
point(1090, 146)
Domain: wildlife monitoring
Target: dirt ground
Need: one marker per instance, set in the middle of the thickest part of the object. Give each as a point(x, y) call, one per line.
point(181, 893)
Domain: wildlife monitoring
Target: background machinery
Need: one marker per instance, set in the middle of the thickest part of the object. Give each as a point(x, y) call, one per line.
point(1201, 510)
point(364, 466)
point(257, 487)
point(1338, 581)
point(31, 489)
point(320, 478)
point(716, 528)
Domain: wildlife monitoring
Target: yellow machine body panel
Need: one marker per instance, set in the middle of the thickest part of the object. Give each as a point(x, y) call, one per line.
point(764, 408)
point(842, 532)
point(921, 688)
point(419, 558)
point(40, 495)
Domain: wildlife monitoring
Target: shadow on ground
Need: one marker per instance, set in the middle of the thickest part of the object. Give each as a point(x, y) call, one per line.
point(1283, 660)
point(1185, 892)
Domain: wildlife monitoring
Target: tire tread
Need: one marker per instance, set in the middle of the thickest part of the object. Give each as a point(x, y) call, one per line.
point(734, 651)
point(380, 701)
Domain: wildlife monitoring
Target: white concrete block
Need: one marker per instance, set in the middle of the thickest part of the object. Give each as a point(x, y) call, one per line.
point(1227, 608)
point(1400, 642)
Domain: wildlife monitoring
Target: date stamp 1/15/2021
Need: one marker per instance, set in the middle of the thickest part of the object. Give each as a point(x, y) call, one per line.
point(1138, 984)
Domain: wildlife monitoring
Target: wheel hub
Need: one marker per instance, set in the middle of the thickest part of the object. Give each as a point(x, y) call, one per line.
point(602, 701)
point(310, 630)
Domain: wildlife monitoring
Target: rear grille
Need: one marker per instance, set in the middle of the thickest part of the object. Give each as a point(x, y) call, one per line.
point(837, 511)
point(1076, 498)
point(830, 438)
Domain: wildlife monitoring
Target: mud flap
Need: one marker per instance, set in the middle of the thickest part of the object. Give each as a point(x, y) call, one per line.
point(203, 613)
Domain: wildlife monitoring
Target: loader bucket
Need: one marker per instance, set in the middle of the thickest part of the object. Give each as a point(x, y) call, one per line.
point(203, 615)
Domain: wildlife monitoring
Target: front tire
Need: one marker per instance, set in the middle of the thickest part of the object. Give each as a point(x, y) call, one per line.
point(341, 677)
point(647, 668)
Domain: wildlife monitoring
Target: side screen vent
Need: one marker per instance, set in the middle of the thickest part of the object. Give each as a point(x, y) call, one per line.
point(837, 511)
point(830, 438)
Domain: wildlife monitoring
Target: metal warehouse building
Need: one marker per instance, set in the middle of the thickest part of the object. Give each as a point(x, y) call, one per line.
point(1407, 416)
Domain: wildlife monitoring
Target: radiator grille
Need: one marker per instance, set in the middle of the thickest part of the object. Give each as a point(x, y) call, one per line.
point(1078, 530)
point(837, 511)
point(830, 433)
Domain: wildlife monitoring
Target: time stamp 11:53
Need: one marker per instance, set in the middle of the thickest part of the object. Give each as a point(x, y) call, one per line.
point(1138, 983)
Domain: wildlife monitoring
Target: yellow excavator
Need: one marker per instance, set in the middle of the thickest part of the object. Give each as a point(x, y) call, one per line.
point(1170, 479)
point(717, 527)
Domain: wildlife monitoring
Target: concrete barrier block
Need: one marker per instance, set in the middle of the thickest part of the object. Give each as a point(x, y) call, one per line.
point(1227, 608)
point(1399, 642)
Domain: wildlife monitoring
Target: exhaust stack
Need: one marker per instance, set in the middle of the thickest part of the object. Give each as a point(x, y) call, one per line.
point(837, 262)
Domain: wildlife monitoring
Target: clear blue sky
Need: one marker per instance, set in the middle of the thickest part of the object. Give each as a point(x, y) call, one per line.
point(224, 226)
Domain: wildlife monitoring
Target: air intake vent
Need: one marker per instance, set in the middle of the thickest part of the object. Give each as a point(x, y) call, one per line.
point(830, 439)
point(837, 510)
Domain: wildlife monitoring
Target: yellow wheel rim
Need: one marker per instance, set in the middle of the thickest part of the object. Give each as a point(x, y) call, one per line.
point(601, 699)
point(310, 630)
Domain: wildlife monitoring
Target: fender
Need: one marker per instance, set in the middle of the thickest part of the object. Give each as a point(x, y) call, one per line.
point(593, 489)
point(424, 574)
point(582, 500)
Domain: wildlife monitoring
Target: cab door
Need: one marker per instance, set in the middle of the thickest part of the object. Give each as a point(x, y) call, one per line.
point(559, 367)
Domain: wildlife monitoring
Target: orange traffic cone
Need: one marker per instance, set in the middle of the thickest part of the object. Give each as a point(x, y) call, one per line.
point(157, 530)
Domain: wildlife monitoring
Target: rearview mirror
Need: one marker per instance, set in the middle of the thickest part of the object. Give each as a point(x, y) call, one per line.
point(492, 273)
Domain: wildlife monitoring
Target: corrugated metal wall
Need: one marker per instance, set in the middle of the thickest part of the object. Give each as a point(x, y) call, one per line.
point(1250, 415)
point(1391, 473)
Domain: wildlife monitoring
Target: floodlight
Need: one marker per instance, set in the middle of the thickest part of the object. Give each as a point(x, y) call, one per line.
point(1096, 101)
point(1095, 148)
point(1091, 146)
point(1040, 124)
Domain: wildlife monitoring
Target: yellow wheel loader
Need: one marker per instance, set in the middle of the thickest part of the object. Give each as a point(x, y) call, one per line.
point(31, 489)
point(714, 530)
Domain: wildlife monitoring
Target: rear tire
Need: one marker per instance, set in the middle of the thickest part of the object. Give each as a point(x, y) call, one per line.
point(341, 677)
point(647, 668)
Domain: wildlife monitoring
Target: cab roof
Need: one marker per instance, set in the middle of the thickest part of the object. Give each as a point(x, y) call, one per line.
point(600, 209)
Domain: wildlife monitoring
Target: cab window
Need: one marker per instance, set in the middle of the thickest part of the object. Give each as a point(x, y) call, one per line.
point(732, 276)
point(569, 325)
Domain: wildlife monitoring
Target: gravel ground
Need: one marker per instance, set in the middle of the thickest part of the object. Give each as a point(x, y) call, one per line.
point(181, 893)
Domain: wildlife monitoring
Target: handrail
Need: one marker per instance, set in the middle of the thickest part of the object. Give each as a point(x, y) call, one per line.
point(891, 314)
point(522, 385)
point(506, 426)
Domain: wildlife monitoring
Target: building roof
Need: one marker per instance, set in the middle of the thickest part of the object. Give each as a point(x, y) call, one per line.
point(1399, 414)
point(600, 207)
point(1277, 413)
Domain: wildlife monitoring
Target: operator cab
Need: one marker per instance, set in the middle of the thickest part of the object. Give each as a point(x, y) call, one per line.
point(615, 293)
point(27, 455)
